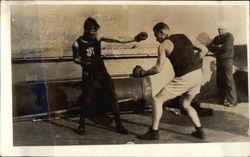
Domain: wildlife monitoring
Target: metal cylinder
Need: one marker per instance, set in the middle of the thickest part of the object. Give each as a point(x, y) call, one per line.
point(133, 88)
point(49, 96)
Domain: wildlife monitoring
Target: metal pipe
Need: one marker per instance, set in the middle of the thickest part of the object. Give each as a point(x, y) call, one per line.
point(23, 60)
point(49, 96)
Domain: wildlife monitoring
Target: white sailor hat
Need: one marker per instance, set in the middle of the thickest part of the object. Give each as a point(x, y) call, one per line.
point(222, 25)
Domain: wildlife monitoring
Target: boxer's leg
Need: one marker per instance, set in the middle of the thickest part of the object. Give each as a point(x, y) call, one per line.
point(108, 85)
point(157, 109)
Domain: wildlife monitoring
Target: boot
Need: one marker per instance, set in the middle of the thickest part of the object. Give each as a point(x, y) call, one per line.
point(120, 129)
point(81, 131)
point(199, 133)
point(150, 135)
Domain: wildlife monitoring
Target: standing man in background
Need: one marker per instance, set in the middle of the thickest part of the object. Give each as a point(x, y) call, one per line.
point(222, 46)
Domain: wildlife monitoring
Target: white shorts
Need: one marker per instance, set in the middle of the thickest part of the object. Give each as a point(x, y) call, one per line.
point(189, 83)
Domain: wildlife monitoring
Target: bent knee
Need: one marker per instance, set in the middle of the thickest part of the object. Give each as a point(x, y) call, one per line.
point(186, 105)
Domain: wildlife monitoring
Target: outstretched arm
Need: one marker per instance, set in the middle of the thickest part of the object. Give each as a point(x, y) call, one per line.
point(164, 50)
point(109, 40)
point(139, 37)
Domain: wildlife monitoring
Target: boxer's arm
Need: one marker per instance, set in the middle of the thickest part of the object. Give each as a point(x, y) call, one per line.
point(110, 40)
point(100, 37)
point(164, 50)
point(200, 49)
point(137, 38)
point(76, 58)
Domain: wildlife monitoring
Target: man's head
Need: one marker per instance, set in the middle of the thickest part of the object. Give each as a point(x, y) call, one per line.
point(91, 27)
point(222, 26)
point(161, 31)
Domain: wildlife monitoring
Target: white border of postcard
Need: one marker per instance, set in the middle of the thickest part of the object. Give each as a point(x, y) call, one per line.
point(7, 149)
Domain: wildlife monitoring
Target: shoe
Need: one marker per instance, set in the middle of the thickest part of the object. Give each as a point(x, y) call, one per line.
point(120, 129)
point(199, 133)
point(81, 131)
point(150, 135)
point(229, 104)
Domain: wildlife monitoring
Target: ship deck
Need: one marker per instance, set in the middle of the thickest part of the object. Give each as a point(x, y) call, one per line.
point(225, 125)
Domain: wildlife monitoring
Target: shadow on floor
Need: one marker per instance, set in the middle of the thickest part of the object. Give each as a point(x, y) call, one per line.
point(109, 128)
point(220, 121)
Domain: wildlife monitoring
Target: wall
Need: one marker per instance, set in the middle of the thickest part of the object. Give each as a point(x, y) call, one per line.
point(50, 30)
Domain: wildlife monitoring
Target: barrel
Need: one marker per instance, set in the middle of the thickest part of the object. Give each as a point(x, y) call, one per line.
point(47, 96)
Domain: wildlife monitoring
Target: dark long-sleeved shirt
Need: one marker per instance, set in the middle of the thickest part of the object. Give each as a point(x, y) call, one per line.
point(222, 46)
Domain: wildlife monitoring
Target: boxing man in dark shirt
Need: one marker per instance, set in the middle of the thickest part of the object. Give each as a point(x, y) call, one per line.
point(187, 81)
point(87, 53)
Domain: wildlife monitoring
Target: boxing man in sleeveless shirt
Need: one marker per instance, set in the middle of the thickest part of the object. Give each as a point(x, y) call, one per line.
point(87, 53)
point(187, 81)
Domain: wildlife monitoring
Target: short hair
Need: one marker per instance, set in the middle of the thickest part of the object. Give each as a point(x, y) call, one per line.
point(159, 26)
point(90, 23)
